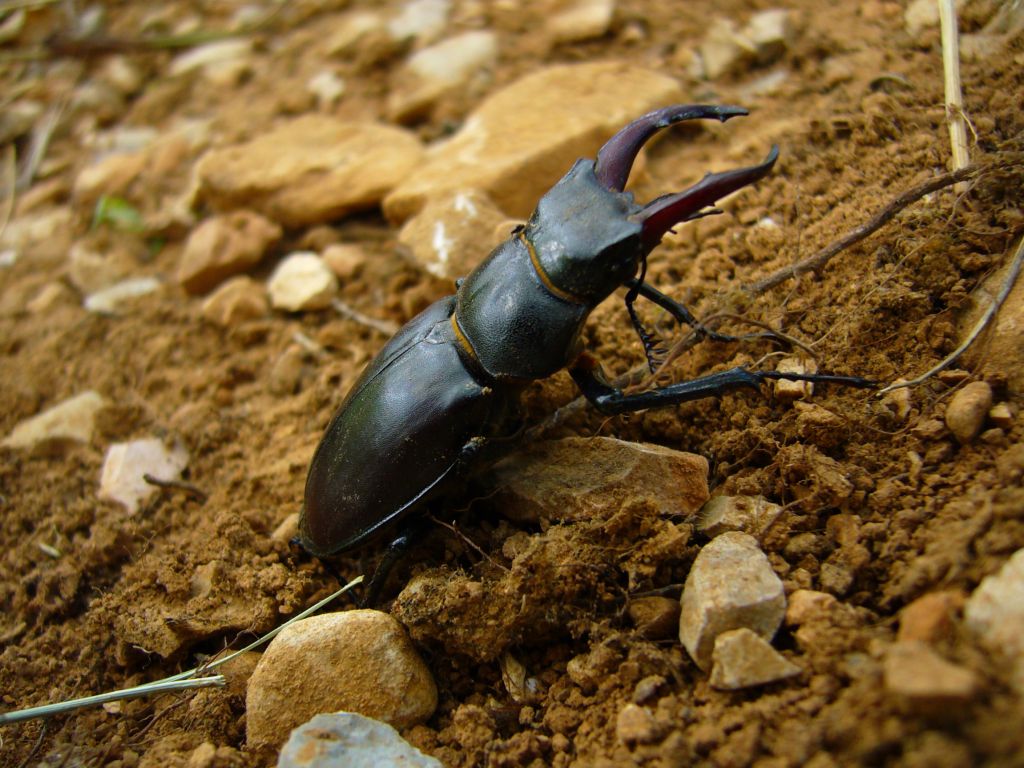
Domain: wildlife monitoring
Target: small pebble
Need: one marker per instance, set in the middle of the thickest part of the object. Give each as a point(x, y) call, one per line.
point(656, 618)
point(635, 725)
point(235, 301)
point(1001, 415)
point(71, 421)
point(794, 390)
point(931, 617)
point(348, 740)
point(110, 300)
point(743, 659)
point(731, 585)
point(360, 661)
point(122, 479)
point(995, 614)
point(965, 414)
point(750, 514)
point(583, 20)
point(924, 680)
point(224, 246)
point(302, 282)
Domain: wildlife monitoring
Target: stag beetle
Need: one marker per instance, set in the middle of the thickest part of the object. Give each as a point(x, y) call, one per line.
point(424, 410)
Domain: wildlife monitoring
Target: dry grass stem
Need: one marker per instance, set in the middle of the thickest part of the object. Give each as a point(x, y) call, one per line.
point(954, 94)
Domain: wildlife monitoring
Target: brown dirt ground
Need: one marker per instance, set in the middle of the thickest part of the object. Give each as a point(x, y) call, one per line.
point(928, 514)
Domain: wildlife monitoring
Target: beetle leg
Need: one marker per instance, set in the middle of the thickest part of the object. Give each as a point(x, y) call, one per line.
point(589, 377)
point(395, 551)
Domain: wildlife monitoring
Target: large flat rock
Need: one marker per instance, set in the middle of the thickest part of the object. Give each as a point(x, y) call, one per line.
point(523, 138)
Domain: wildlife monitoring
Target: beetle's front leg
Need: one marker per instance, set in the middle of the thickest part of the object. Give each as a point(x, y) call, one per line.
point(590, 378)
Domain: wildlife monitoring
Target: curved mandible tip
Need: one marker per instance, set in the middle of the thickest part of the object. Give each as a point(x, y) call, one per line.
point(615, 159)
point(660, 215)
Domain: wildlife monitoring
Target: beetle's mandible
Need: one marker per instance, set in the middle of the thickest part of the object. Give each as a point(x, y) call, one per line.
point(419, 416)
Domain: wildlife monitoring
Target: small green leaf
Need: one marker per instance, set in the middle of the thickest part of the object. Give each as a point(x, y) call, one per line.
point(117, 213)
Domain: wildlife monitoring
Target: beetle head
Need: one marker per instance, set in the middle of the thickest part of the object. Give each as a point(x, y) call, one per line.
point(590, 236)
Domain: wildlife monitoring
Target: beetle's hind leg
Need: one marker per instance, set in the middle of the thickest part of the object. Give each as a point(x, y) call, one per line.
point(410, 534)
point(590, 379)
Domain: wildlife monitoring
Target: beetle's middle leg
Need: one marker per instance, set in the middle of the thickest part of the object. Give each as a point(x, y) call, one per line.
point(589, 377)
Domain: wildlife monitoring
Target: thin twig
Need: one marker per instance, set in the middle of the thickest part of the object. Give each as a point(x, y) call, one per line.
point(384, 326)
point(176, 485)
point(182, 681)
point(855, 235)
point(147, 689)
point(10, 186)
point(469, 541)
point(39, 142)
point(1011, 278)
point(954, 94)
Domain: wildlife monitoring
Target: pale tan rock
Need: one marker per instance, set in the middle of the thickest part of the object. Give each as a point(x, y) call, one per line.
point(122, 479)
point(635, 725)
point(589, 478)
point(965, 414)
point(44, 234)
point(235, 301)
point(209, 56)
point(809, 605)
point(111, 175)
point(770, 33)
point(750, 514)
point(930, 617)
point(310, 170)
point(995, 614)
point(70, 421)
point(582, 20)
point(113, 299)
point(924, 680)
point(357, 661)
point(224, 246)
point(731, 585)
point(50, 296)
point(353, 30)
point(743, 659)
point(655, 617)
point(327, 87)
point(433, 72)
point(794, 390)
point(302, 282)
point(419, 20)
point(523, 138)
point(346, 260)
point(724, 49)
point(96, 262)
point(453, 233)
point(1001, 415)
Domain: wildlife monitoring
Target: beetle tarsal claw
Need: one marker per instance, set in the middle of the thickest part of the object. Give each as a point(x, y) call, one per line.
point(659, 216)
point(615, 159)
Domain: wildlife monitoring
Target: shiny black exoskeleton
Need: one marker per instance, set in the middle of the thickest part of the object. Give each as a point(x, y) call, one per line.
point(421, 413)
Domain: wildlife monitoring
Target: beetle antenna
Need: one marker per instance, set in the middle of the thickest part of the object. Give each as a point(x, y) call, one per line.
point(615, 159)
point(659, 216)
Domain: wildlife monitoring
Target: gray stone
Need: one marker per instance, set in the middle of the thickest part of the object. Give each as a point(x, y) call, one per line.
point(588, 478)
point(731, 585)
point(995, 614)
point(743, 659)
point(421, 20)
point(358, 661)
point(349, 740)
point(523, 138)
